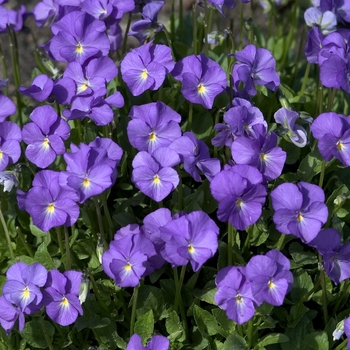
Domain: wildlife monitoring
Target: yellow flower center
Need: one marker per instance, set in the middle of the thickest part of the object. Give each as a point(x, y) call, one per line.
point(300, 217)
point(271, 284)
point(64, 302)
point(239, 299)
point(50, 208)
point(26, 293)
point(86, 182)
point(239, 202)
point(263, 156)
point(340, 146)
point(46, 143)
point(1, 154)
point(201, 89)
point(156, 180)
point(128, 266)
point(79, 48)
point(144, 74)
point(191, 249)
point(152, 136)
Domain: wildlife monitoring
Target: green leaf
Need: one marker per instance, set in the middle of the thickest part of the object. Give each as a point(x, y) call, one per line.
point(33, 333)
point(36, 231)
point(302, 284)
point(297, 311)
point(206, 322)
point(207, 293)
point(273, 338)
point(315, 341)
point(91, 322)
point(310, 166)
point(300, 256)
point(144, 326)
point(228, 326)
point(235, 342)
point(202, 125)
point(43, 257)
point(174, 327)
point(151, 298)
point(297, 334)
point(209, 204)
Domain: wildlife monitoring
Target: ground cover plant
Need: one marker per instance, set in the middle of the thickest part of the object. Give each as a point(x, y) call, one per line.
point(190, 191)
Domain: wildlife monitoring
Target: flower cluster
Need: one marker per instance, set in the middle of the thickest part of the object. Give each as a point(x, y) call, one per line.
point(266, 278)
point(30, 287)
point(138, 251)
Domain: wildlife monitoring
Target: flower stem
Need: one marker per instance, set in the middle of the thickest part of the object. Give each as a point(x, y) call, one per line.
point(206, 27)
point(323, 168)
point(231, 232)
point(324, 293)
point(190, 117)
point(250, 333)
point(125, 39)
point(66, 241)
point(178, 285)
point(194, 21)
point(342, 295)
point(4, 67)
point(179, 190)
point(100, 222)
point(7, 234)
point(59, 239)
point(280, 242)
point(47, 338)
point(342, 345)
point(172, 20)
point(306, 75)
point(133, 310)
point(26, 245)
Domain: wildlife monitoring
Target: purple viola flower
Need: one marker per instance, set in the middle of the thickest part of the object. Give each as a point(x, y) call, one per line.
point(92, 76)
point(23, 286)
point(202, 79)
point(45, 136)
point(146, 67)
point(340, 7)
point(313, 45)
point(63, 90)
point(347, 330)
point(95, 107)
point(327, 21)
point(148, 26)
point(191, 238)
point(261, 153)
point(61, 296)
point(234, 294)
point(195, 154)
point(7, 107)
point(40, 90)
point(332, 131)
point(336, 256)
point(270, 277)
point(153, 125)
point(9, 315)
point(48, 203)
point(126, 259)
point(154, 175)
point(100, 9)
point(257, 66)
point(299, 209)
point(239, 122)
point(241, 194)
point(157, 342)
point(89, 171)
point(77, 37)
point(10, 138)
point(296, 133)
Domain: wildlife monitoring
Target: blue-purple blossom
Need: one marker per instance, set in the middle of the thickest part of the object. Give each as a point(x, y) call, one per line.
point(9, 315)
point(154, 174)
point(261, 152)
point(202, 79)
point(336, 257)
point(241, 194)
point(299, 209)
point(256, 66)
point(45, 136)
point(153, 125)
point(146, 67)
point(10, 138)
point(234, 294)
point(157, 342)
point(191, 238)
point(332, 131)
point(40, 89)
point(270, 277)
point(296, 133)
point(61, 296)
point(7, 107)
point(126, 260)
point(327, 21)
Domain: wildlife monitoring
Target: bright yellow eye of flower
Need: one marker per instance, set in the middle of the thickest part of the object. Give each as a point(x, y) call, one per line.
point(156, 180)
point(239, 299)
point(152, 136)
point(86, 182)
point(340, 146)
point(128, 266)
point(79, 48)
point(64, 302)
point(144, 74)
point(26, 293)
point(50, 208)
point(191, 249)
point(201, 89)
point(271, 284)
point(46, 143)
point(1, 154)
point(300, 217)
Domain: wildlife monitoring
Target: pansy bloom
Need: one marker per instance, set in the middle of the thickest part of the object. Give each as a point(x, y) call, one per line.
point(299, 209)
point(45, 136)
point(202, 79)
point(157, 342)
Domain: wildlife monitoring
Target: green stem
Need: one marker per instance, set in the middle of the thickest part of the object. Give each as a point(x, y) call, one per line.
point(47, 338)
point(313, 290)
point(107, 213)
point(206, 27)
point(172, 20)
point(247, 240)
point(250, 333)
point(190, 117)
point(331, 95)
point(4, 67)
point(100, 222)
point(125, 39)
point(306, 75)
point(7, 234)
point(179, 190)
point(181, 19)
point(194, 21)
point(231, 232)
point(324, 293)
point(178, 286)
point(342, 345)
point(241, 25)
point(26, 245)
point(323, 168)
point(59, 240)
point(97, 292)
point(343, 293)
point(133, 310)
point(280, 242)
point(66, 241)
